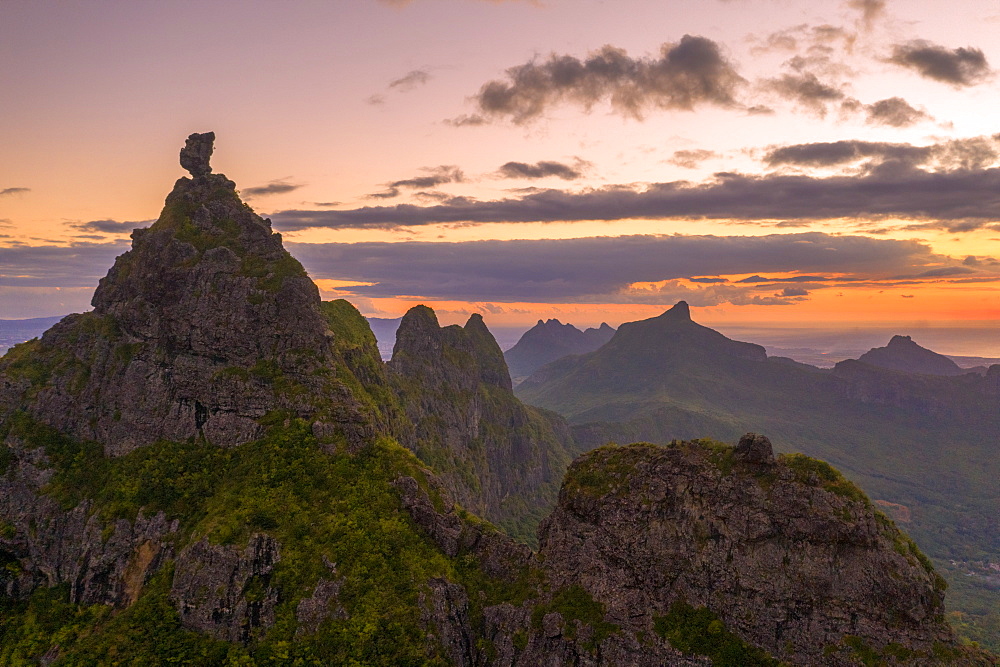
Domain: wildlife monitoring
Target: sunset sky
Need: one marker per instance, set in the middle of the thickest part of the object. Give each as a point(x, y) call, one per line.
point(769, 161)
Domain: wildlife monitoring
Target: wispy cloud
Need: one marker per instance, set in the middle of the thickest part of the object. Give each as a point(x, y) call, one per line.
point(972, 153)
point(77, 265)
point(871, 11)
point(14, 191)
point(276, 187)
point(411, 80)
point(690, 159)
point(110, 226)
point(434, 177)
point(806, 90)
point(895, 112)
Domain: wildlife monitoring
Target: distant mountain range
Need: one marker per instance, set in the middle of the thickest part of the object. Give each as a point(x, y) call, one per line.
point(925, 439)
point(549, 340)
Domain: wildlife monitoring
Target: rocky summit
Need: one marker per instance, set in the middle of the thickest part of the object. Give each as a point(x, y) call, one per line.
point(205, 325)
point(215, 467)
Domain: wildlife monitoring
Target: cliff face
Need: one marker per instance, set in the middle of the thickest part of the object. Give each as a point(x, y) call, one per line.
point(500, 458)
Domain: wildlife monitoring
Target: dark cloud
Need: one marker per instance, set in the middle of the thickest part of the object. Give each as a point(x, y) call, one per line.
point(599, 269)
point(541, 169)
point(78, 265)
point(943, 272)
point(806, 90)
point(277, 187)
point(894, 112)
point(684, 76)
point(828, 154)
point(887, 191)
point(708, 280)
point(435, 176)
point(973, 153)
point(111, 226)
point(411, 80)
point(959, 67)
point(691, 159)
point(14, 191)
point(793, 291)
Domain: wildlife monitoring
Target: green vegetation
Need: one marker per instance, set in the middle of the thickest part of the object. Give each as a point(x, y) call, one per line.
point(149, 632)
point(338, 507)
point(820, 473)
point(576, 604)
point(605, 470)
point(349, 326)
point(700, 631)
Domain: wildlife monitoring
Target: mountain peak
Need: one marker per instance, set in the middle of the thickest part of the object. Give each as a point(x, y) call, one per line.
point(679, 311)
point(197, 152)
point(195, 322)
point(904, 354)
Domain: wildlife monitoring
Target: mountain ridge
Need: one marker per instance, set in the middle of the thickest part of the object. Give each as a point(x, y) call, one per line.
point(549, 340)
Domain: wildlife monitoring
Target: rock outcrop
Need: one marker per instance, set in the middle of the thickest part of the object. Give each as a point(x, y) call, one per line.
point(500, 459)
point(790, 556)
point(203, 327)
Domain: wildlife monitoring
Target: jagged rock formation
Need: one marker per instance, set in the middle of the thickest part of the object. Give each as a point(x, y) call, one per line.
point(501, 459)
point(549, 340)
point(197, 153)
point(902, 354)
point(204, 326)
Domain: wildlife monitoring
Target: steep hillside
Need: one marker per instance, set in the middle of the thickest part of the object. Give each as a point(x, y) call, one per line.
point(501, 459)
point(550, 340)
